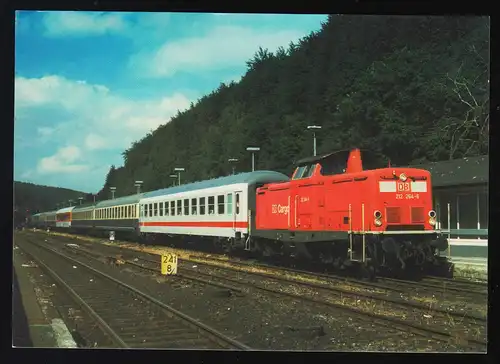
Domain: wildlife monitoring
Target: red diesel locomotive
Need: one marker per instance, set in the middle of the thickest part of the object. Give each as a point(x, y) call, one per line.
point(335, 211)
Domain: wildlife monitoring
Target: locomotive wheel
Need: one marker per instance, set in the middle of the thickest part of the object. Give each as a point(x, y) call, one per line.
point(367, 272)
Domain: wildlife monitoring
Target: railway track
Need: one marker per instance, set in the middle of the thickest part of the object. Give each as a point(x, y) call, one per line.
point(439, 325)
point(139, 320)
point(463, 287)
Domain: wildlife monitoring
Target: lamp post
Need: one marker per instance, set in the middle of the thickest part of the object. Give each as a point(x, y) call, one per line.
point(94, 197)
point(112, 189)
point(179, 170)
point(80, 199)
point(174, 176)
point(253, 150)
point(233, 160)
point(70, 202)
point(314, 128)
point(138, 185)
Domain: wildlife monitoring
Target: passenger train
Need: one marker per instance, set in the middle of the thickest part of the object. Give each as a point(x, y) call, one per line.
point(336, 209)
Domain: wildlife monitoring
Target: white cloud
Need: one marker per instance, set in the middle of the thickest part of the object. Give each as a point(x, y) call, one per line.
point(93, 141)
point(62, 161)
point(64, 23)
point(88, 117)
point(45, 131)
point(223, 47)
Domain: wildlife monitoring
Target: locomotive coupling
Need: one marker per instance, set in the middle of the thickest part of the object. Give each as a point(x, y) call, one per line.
point(440, 243)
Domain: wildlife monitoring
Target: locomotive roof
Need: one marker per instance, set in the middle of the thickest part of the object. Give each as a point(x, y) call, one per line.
point(247, 177)
point(368, 156)
point(125, 200)
point(462, 171)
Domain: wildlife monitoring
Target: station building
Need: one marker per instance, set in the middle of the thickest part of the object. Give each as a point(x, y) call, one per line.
point(460, 189)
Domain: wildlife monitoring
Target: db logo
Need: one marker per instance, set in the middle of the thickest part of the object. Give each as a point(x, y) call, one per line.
point(403, 187)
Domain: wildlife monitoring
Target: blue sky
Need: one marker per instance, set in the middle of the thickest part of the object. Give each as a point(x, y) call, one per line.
point(88, 84)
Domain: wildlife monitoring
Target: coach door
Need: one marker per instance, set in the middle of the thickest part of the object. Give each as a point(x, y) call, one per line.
point(237, 208)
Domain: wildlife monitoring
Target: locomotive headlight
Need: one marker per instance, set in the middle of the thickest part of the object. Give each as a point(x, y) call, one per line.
point(432, 213)
point(378, 216)
point(403, 177)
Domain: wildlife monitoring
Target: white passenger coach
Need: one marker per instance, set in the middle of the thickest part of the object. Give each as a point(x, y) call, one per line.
point(220, 207)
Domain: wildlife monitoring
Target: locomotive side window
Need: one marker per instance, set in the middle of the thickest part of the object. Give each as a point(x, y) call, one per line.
point(202, 205)
point(308, 173)
point(186, 207)
point(179, 207)
point(332, 168)
point(299, 172)
point(237, 204)
point(220, 204)
point(229, 203)
point(304, 171)
point(211, 203)
point(194, 208)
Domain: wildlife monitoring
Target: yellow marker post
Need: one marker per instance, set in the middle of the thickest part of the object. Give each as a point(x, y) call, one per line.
point(168, 264)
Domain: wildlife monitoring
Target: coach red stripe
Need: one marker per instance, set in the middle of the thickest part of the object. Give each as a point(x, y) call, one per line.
point(213, 224)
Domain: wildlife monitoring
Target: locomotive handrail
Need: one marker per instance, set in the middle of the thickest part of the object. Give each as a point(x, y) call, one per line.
point(289, 211)
point(295, 210)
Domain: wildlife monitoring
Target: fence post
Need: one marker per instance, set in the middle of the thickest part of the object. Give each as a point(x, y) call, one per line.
point(449, 231)
point(363, 232)
point(350, 231)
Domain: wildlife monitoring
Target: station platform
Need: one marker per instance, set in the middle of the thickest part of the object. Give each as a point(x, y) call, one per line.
point(30, 326)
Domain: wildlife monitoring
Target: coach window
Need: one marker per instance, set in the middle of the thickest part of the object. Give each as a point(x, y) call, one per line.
point(202, 205)
point(160, 212)
point(155, 209)
point(151, 210)
point(211, 205)
point(194, 208)
point(229, 203)
point(167, 208)
point(172, 208)
point(145, 214)
point(220, 204)
point(179, 207)
point(186, 207)
point(237, 203)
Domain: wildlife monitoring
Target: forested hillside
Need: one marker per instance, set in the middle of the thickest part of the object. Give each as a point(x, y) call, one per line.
point(32, 198)
point(414, 89)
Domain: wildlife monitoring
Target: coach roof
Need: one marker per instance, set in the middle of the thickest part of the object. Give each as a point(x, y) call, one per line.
point(65, 209)
point(126, 200)
point(247, 177)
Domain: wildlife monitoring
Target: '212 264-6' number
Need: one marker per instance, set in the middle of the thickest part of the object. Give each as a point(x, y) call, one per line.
point(407, 196)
